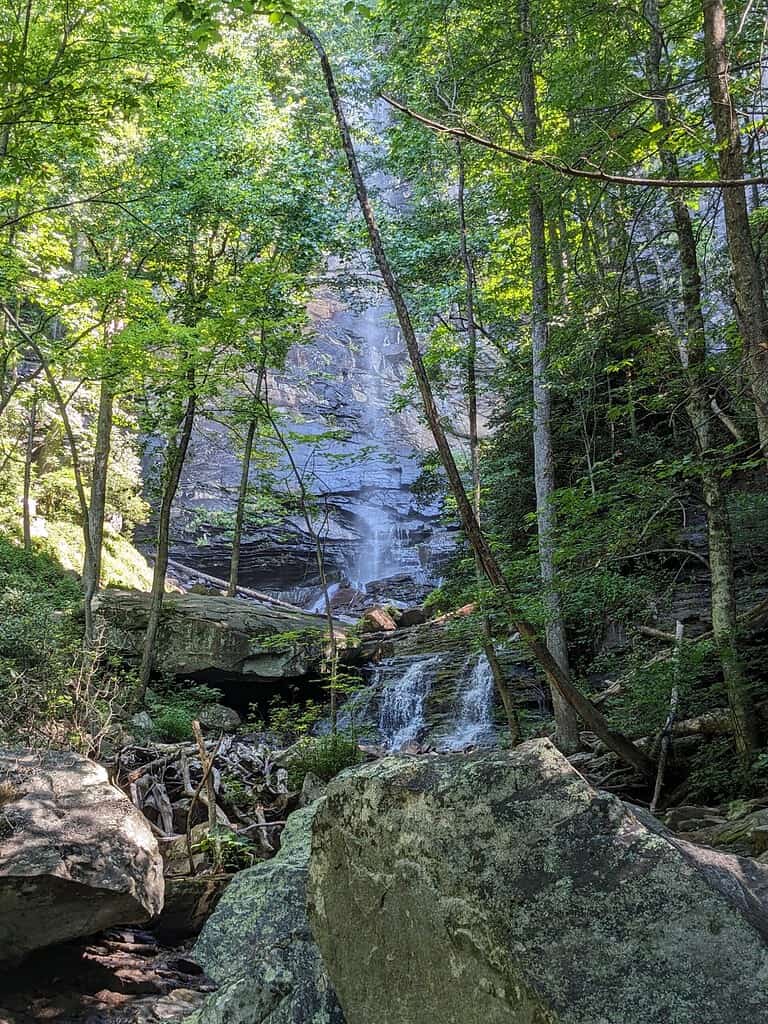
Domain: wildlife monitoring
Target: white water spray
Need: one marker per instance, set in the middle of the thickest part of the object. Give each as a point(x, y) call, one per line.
point(474, 720)
point(401, 718)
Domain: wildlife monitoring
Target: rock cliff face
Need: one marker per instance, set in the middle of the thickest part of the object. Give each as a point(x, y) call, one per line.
point(75, 855)
point(501, 888)
point(358, 455)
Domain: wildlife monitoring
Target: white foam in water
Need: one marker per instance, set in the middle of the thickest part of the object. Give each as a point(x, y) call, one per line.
point(474, 719)
point(401, 718)
point(318, 608)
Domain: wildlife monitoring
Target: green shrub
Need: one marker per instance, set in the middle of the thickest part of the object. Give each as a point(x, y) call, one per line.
point(643, 704)
point(323, 756)
point(228, 850)
point(174, 708)
point(40, 633)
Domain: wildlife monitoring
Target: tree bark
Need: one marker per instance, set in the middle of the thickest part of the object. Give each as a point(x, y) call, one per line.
point(242, 494)
point(306, 512)
point(693, 356)
point(28, 459)
point(543, 451)
point(234, 562)
point(99, 477)
point(751, 310)
point(174, 466)
point(500, 682)
point(593, 718)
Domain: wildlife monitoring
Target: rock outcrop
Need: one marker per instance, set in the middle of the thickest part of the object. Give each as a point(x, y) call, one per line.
point(501, 887)
point(259, 948)
point(203, 635)
point(75, 855)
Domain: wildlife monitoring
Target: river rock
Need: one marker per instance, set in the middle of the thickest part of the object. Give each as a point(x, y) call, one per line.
point(75, 855)
point(411, 617)
point(214, 636)
point(741, 828)
point(259, 948)
point(377, 620)
point(501, 888)
point(219, 718)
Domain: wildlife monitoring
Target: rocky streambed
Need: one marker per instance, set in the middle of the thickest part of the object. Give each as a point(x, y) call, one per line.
point(421, 888)
point(498, 886)
point(122, 976)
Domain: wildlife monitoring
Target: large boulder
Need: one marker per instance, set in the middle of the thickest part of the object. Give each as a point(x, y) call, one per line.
point(75, 855)
point(501, 887)
point(259, 948)
point(206, 635)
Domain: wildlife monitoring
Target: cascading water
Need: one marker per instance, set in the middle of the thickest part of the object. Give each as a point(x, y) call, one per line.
point(474, 720)
point(318, 606)
point(401, 718)
point(378, 555)
point(405, 694)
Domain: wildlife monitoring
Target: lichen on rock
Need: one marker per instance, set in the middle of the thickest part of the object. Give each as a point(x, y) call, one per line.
point(501, 888)
point(76, 856)
point(259, 948)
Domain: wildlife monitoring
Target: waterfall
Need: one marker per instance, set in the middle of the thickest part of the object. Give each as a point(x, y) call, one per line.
point(474, 719)
point(318, 606)
point(401, 717)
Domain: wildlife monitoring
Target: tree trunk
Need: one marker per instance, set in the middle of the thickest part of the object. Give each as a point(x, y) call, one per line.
point(61, 405)
point(242, 495)
point(500, 682)
point(559, 680)
point(173, 476)
point(28, 459)
point(751, 310)
point(99, 476)
point(306, 512)
point(693, 355)
point(543, 453)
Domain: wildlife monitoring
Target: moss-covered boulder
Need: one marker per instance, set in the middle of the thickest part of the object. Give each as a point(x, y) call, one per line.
point(259, 948)
point(215, 636)
point(501, 888)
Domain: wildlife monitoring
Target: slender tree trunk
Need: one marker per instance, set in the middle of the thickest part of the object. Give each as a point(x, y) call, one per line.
point(174, 467)
point(558, 262)
point(77, 472)
point(242, 494)
point(99, 477)
point(559, 680)
point(29, 457)
point(17, 83)
point(306, 511)
point(543, 452)
point(693, 355)
point(751, 310)
point(500, 682)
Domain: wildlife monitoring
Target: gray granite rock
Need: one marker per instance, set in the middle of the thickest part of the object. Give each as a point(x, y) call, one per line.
point(75, 855)
point(501, 888)
point(259, 948)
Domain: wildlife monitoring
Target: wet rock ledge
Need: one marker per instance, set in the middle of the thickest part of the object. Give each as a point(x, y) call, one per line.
point(208, 636)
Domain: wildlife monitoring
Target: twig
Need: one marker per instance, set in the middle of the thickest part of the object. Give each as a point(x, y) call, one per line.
point(259, 824)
